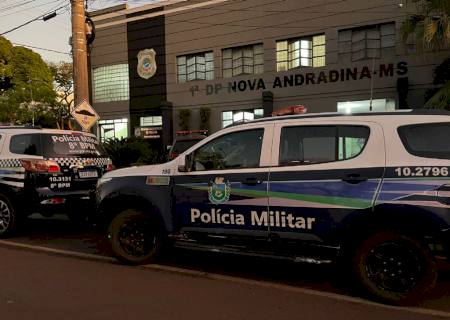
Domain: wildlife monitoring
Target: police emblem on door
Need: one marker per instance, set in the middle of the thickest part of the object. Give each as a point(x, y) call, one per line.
point(146, 66)
point(219, 191)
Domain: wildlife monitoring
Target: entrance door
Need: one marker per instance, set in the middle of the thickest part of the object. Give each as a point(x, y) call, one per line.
point(322, 174)
point(225, 194)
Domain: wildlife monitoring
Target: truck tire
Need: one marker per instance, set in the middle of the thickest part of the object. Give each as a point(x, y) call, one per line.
point(135, 237)
point(394, 268)
point(8, 217)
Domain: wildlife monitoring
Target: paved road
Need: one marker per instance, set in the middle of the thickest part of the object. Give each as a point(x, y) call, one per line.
point(40, 286)
point(60, 234)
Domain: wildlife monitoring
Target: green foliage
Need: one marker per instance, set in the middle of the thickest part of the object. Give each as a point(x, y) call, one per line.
point(185, 116)
point(439, 98)
point(32, 94)
point(131, 151)
point(63, 76)
point(431, 26)
point(205, 114)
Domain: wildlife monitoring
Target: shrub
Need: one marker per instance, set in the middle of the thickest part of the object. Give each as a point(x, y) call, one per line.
point(131, 151)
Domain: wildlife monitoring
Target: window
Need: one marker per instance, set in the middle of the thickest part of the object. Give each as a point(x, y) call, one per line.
point(301, 52)
point(199, 66)
point(150, 121)
point(243, 60)
point(427, 140)
point(231, 151)
point(111, 83)
point(110, 129)
point(367, 42)
point(378, 105)
point(230, 117)
point(318, 144)
point(29, 144)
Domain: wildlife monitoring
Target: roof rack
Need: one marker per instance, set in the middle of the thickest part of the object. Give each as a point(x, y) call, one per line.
point(424, 112)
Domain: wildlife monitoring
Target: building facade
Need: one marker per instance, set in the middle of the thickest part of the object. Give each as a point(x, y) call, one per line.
point(219, 62)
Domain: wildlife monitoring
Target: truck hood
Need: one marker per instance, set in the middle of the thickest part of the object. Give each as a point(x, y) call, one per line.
point(137, 171)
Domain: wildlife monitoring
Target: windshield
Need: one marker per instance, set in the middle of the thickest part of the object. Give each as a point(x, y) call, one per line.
point(182, 145)
point(71, 145)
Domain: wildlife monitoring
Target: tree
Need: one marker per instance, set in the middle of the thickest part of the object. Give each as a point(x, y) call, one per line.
point(31, 95)
point(63, 76)
point(431, 28)
point(439, 98)
point(431, 25)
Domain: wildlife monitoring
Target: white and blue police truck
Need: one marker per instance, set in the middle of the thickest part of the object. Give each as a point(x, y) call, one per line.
point(47, 171)
point(371, 191)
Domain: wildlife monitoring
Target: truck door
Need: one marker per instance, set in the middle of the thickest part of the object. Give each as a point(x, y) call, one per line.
point(322, 174)
point(226, 191)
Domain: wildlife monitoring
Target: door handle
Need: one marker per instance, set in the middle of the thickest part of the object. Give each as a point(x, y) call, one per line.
point(251, 181)
point(354, 179)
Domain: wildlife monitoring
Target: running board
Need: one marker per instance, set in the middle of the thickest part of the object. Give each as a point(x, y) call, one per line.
point(236, 251)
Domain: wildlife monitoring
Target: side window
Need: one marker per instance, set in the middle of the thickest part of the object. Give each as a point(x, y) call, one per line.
point(29, 144)
point(231, 151)
point(320, 144)
point(426, 140)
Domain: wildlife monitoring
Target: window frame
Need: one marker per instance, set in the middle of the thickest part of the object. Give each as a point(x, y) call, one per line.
point(119, 86)
point(407, 146)
point(192, 153)
point(39, 151)
point(243, 60)
point(346, 44)
point(196, 64)
point(337, 137)
point(289, 61)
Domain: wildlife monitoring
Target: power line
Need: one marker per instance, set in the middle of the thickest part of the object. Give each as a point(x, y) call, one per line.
point(26, 9)
point(30, 21)
point(39, 48)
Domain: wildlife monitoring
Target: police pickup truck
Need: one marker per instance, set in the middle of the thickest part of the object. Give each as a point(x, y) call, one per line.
point(47, 171)
point(369, 190)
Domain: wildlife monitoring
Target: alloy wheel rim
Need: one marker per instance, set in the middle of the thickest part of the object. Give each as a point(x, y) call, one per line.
point(136, 239)
point(394, 267)
point(5, 216)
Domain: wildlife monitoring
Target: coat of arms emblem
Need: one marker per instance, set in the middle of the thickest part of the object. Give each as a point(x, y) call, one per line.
point(146, 66)
point(219, 191)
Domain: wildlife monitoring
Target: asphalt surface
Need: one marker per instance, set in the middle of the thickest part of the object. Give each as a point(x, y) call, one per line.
point(28, 269)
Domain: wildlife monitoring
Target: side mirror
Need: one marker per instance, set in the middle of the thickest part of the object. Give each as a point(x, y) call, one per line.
point(187, 165)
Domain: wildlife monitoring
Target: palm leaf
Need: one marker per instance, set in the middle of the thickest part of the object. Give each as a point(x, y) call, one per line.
point(441, 100)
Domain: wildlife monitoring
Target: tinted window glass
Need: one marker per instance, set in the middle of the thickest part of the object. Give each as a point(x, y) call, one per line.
point(234, 150)
point(427, 140)
point(71, 145)
point(29, 144)
point(181, 146)
point(319, 144)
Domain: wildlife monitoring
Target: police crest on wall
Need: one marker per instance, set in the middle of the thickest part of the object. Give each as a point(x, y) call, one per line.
point(146, 66)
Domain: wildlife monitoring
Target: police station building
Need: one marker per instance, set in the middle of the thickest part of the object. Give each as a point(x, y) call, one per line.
point(156, 69)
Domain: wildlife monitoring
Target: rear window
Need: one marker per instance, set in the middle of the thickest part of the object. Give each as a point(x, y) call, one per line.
point(320, 144)
point(57, 145)
point(427, 140)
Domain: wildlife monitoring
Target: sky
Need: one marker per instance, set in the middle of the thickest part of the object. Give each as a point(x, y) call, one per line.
point(52, 34)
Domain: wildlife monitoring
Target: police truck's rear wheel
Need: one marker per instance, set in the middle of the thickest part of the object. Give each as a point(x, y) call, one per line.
point(394, 268)
point(7, 217)
point(135, 237)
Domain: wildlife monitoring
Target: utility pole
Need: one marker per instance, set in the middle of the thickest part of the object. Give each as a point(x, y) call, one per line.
point(79, 49)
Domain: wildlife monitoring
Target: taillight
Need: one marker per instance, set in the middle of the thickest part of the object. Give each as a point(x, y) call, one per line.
point(173, 155)
point(41, 166)
point(109, 166)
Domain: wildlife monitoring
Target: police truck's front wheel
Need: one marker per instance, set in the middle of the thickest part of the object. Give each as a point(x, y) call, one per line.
point(394, 268)
point(8, 217)
point(135, 237)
